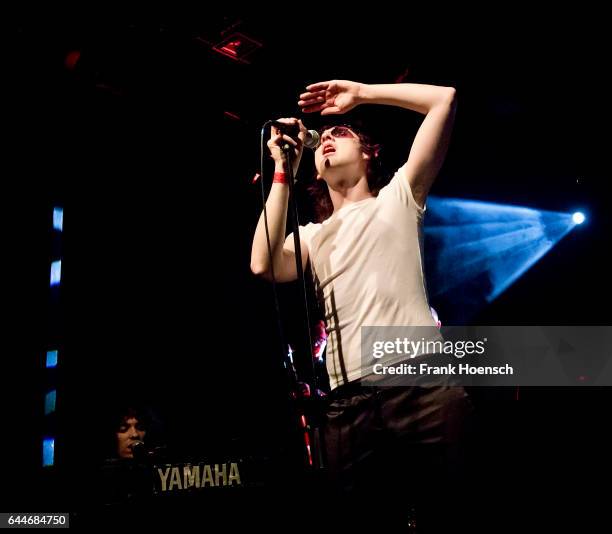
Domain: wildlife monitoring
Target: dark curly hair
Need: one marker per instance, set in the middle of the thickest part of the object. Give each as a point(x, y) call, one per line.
point(319, 191)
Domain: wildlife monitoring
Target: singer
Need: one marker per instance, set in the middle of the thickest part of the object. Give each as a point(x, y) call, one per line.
point(130, 429)
point(131, 432)
point(131, 425)
point(387, 448)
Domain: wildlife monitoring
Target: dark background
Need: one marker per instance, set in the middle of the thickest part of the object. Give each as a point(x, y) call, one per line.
point(157, 301)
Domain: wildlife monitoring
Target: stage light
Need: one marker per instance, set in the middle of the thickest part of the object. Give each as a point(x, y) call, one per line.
point(58, 219)
point(51, 358)
point(50, 398)
point(475, 250)
point(48, 452)
point(578, 217)
point(238, 47)
point(71, 59)
point(56, 272)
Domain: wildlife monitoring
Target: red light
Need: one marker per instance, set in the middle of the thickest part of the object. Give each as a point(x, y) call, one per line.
point(232, 47)
point(72, 59)
point(230, 115)
point(237, 46)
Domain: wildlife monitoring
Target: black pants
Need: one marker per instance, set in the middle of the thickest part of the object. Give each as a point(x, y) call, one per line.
point(396, 455)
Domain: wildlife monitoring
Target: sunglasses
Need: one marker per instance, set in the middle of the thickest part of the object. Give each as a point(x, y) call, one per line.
point(338, 131)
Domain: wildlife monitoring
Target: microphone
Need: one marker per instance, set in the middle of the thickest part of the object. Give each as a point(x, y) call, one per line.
point(139, 450)
point(143, 453)
point(312, 140)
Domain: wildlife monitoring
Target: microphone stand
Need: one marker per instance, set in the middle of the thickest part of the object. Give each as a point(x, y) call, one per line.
point(310, 425)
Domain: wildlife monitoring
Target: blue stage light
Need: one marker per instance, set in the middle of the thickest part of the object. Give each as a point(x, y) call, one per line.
point(56, 272)
point(50, 399)
point(58, 219)
point(48, 452)
point(475, 250)
point(51, 358)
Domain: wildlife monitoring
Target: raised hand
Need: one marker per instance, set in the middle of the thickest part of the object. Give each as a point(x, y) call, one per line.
point(333, 97)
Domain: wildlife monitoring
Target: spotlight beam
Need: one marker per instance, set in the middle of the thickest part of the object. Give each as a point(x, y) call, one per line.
point(485, 246)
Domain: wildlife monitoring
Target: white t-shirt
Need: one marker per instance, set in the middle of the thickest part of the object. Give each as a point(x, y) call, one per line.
point(367, 263)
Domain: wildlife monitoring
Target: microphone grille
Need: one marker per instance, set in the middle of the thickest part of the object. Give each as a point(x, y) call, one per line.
point(313, 139)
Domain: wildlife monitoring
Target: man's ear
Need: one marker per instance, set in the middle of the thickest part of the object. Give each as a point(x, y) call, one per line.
point(319, 177)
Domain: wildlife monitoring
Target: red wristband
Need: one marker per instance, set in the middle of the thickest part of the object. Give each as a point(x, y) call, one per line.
point(280, 178)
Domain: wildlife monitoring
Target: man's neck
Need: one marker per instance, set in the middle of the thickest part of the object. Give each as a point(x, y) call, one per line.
point(344, 196)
